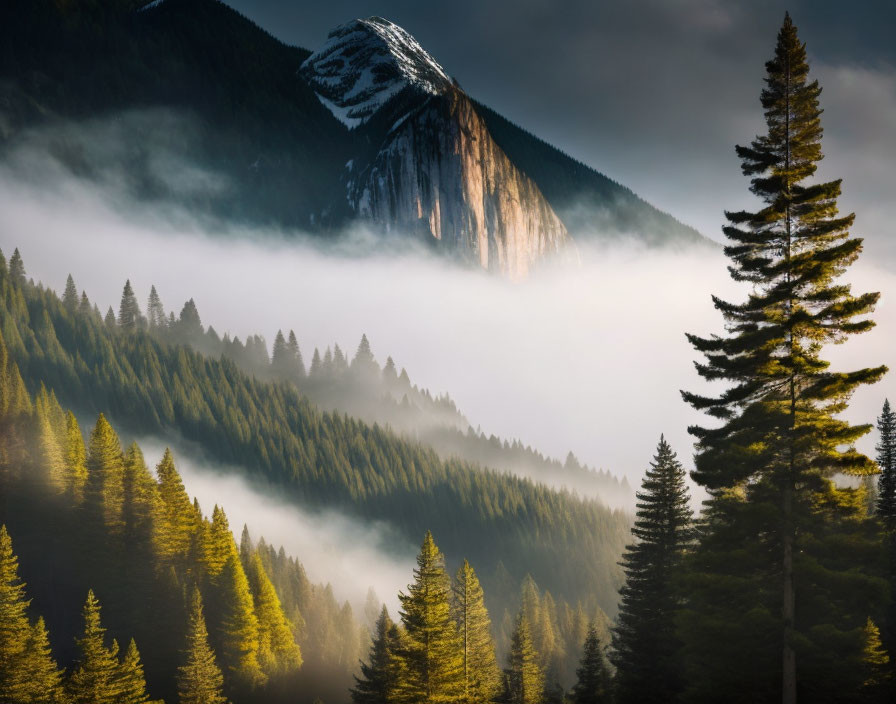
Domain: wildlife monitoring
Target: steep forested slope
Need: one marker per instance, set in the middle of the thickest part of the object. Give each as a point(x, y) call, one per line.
point(568, 544)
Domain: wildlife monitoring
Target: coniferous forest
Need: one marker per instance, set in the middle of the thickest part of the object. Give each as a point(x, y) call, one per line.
point(118, 586)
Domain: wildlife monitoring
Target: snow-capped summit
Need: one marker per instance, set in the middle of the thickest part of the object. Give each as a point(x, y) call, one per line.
point(366, 62)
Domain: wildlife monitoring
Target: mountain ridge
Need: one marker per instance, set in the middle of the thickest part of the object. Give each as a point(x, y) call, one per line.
point(259, 124)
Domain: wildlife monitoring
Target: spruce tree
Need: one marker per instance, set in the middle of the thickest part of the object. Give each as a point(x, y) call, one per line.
point(70, 296)
point(15, 630)
point(217, 543)
point(105, 470)
point(84, 307)
point(432, 649)
point(886, 514)
point(94, 679)
point(130, 681)
point(129, 310)
point(155, 311)
point(40, 676)
point(238, 629)
point(381, 674)
point(482, 677)
point(278, 651)
point(592, 679)
point(199, 679)
point(17, 269)
point(523, 679)
point(178, 520)
point(280, 357)
point(75, 456)
point(645, 646)
point(781, 436)
point(298, 364)
point(886, 460)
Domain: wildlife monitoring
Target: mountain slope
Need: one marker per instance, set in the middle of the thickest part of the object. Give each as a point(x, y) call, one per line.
point(433, 169)
point(234, 106)
point(187, 101)
point(319, 460)
point(593, 206)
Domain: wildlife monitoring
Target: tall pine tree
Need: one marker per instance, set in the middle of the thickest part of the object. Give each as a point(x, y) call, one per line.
point(523, 679)
point(199, 679)
point(592, 678)
point(482, 677)
point(886, 460)
point(781, 436)
point(645, 646)
point(27, 670)
point(432, 649)
point(129, 316)
point(95, 679)
point(383, 671)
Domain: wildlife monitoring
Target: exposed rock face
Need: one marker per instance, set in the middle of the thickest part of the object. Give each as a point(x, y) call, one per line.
point(431, 167)
point(440, 172)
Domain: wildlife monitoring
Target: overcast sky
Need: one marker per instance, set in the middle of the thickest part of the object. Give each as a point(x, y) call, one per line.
point(655, 94)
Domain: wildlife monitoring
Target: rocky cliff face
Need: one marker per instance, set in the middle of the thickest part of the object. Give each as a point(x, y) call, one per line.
point(431, 167)
point(442, 174)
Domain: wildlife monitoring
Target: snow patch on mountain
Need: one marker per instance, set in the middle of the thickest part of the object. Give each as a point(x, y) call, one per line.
point(366, 62)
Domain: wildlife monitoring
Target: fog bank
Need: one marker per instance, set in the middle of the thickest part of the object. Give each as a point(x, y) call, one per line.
point(588, 359)
point(350, 555)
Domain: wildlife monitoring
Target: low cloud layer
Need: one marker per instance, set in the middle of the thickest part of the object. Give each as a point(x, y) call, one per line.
point(588, 359)
point(654, 94)
point(335, 549)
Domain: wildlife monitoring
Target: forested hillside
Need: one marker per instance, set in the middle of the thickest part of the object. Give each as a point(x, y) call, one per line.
point(201, 617)
point(359, 387)
point(569, 545)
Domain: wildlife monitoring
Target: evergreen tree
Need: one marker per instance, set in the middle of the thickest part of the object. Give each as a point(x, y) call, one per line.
point(278, 651)
point(70, 296)
point(380, 675)
point(886, 513)
point(886, 460)
point(142, 504)
point(39, 674)
point(155, 311)
point(129, 310)
point(109, 320)
point(315, 370)
point(646, 648)
point(482, 677)
point(75, 456)
point(432, 649)
point(178, 520)
point(199, 679)
point(17, 269)
point(84, 307)
point(95, 679)
point(245, 547)
point(217, 544)
point(190, 324)
point(105, 470)
point(50, 452)
point(280, 357)
point(15, 631)
point(523, 679)
point(239, 625)
point(592, 679)
point(781, 436)
point(298, 364)
point(130, 681)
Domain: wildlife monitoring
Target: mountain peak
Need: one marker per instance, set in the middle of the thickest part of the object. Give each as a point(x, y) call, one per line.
point(366, 62)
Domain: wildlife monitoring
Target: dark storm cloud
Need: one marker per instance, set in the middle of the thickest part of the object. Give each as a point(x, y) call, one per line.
point(654, 94)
